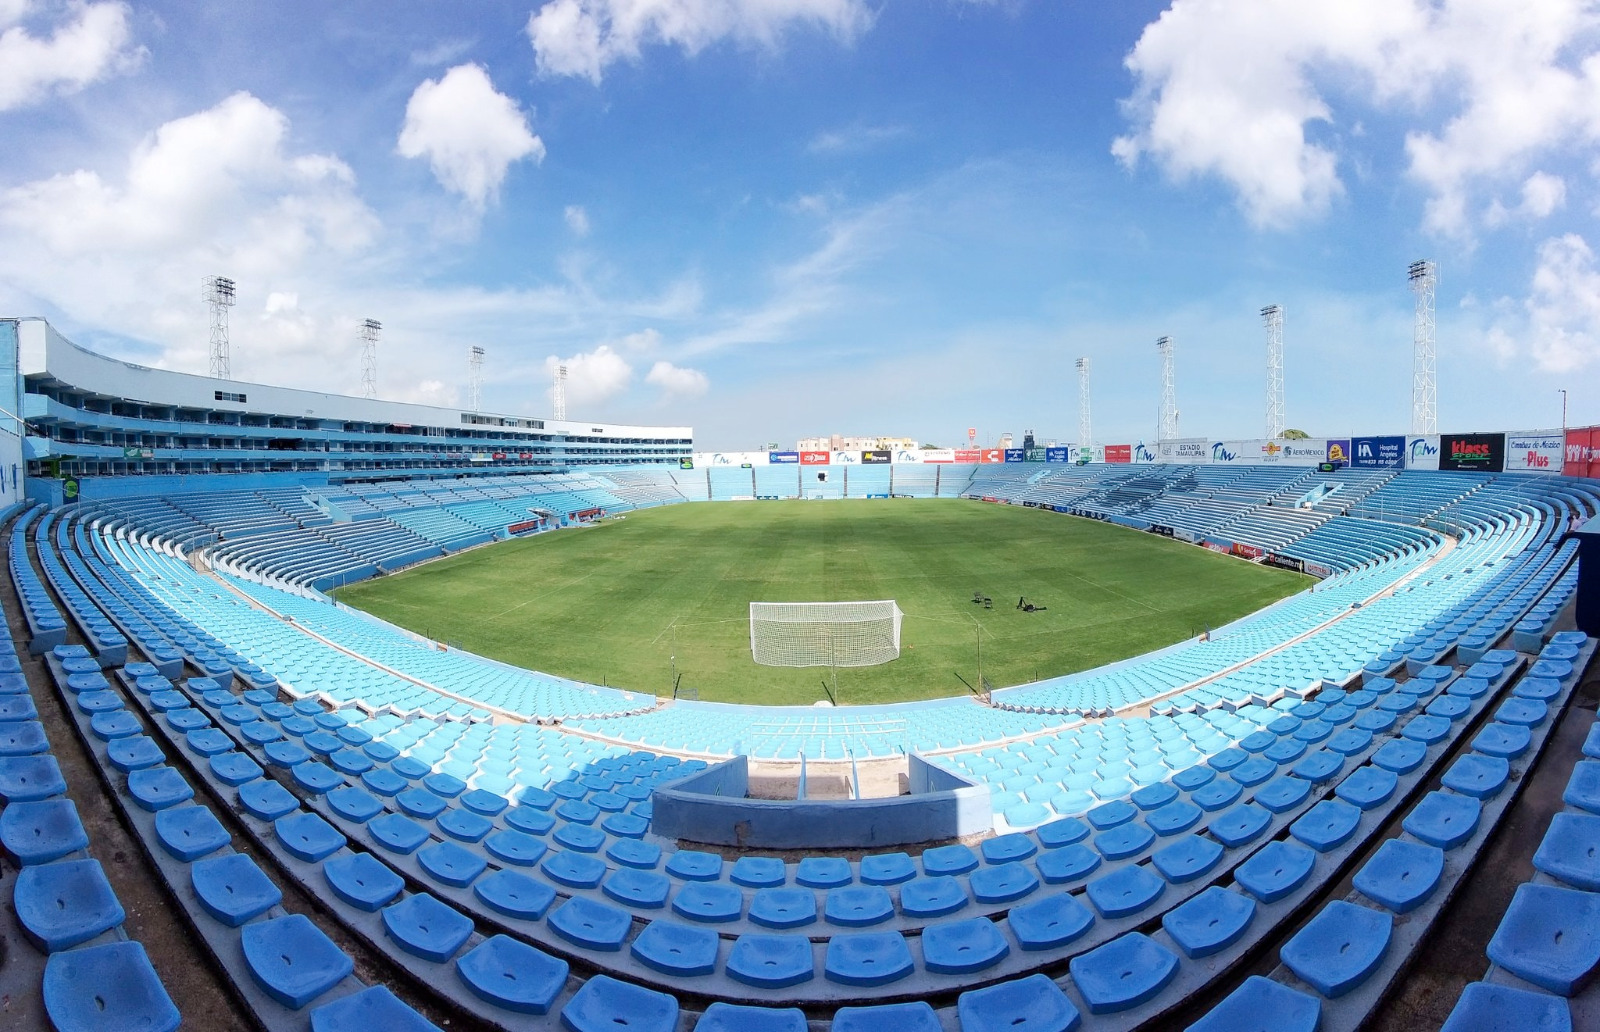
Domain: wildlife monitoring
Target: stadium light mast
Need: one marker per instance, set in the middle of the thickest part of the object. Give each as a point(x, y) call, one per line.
point(1085, 432)
point(218, 293)
point(1277, 413)
point(1424, 277)
point(1168, 429)
point(558, 393)
point(474, 378)
point(370, 332)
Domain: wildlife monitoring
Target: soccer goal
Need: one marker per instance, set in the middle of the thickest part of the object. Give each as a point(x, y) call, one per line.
point(839, 634)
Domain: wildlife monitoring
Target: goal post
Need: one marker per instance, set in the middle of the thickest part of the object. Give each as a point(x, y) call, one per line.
point(838, 634)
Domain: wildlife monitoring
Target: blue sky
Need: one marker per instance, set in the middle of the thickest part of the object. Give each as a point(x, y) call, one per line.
point(775, 218)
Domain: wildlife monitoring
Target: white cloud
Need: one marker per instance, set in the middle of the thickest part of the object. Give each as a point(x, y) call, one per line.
point(1238, 89)
point(1542, 195)
point(95, 42)
point(854, 139)
point(577, 219)
point(592, 376)
point(470, 133)
point(582, 37)
point(1561, 331)
point(677, 381)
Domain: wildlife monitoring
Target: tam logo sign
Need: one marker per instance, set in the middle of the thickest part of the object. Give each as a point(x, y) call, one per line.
point(1220, 453)
point(1143, 454)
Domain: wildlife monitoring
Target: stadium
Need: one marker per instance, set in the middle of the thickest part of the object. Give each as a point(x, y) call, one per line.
point(1262, 824)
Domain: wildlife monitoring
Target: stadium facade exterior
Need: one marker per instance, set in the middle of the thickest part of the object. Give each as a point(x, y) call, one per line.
point(91, 416)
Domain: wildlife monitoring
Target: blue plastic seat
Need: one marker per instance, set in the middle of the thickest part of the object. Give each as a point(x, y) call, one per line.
point(1262, 1005)
point(1112, 814)
point(962, 947)
point(156, 788)
point(108, 988)
point(386, 782)
point(1283, 793)
point(858, 906)
point(1570, 850)
point(692, 865)
point(605, 1004)
point(1210, 922)
point(120, 724)
point(1049, 923)
point(823, 872)
point(27, 779)
point(948, 860)
point(426, 928)
point(450, 864)
point(24, 739)
point(1443, 819)
point(137, 752)
point(575, 870)
point(1401, 875)
point(287, 755)
point(892, 868)
point(397, 833)
point(1216, 796)
point(771, 961)
point(1278, 869)
point(1338, 948)
point(758, 872)
point(867, 958)
point(1401, 755)
point(308, 837)
point(1004, 849)
point(644, 890)
point(1508, 740)
point(464, 825)
point(292, 959)
point(1186, 859)
point(1350, 741)
point(1004, 884)
point(374, 1007)
point(1032, 1004)
point(64, 904)
point(591, 924)
point(784, 908)
point(703, 901)
point(1054, 835)
point(190, 832)
point(233, 768)
point(1481, 777)
point(1067, 864)
point(1125, 892)
point(1500, 1008)
point(1174, 817)
point(267, 800)
point(727, 1017)
point(514, 894)
point(509, 973)
point(1583, 787)
point(1367, 787)
point(677, 949)
point(1124, 973)
point(1550, 936)
point(1239, 825)
point(362, 881)
point(1124, 841)
point(1327, 825)
point(632, 853)
point(233, 889)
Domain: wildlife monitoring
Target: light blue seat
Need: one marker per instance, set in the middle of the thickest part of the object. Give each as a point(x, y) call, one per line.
point(726, 1017)
point(962, 947)
point(771, 961)
point(292, 960)
point(1401, 875)
point(1125, 892)
point(1339, 948)
point(514, 894)
point(605, 1004)
point(81, 988)
point(676, 949)
point(1276, 870)
point(1484, 1007)
point(233, 889)
point(867, 958)
point(1210, 922)
point(1034, 1004)
point(901, 1017)
point(362, 881)
point(591, 924)
point(1124, 973)
point(1550, 936)
point(190, 832)
point(1443, 819)
point(1262, 1005)
point(65, 903)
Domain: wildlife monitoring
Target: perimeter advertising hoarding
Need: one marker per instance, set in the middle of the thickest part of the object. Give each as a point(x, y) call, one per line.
point(1186, 452)
point(1338, 451)
point(1422, 452)
point(1144, 453)
point(735, 458)
point(967, 455)
point(937, 455)
point(846, 458)
point(1119, 453)
point(991, 455)
point(1034, 454)
point(1378, 452)
point(907, 455)
point(1270, 452)
point(1580, 451)
point(1310, 451)
point(876, 457)
point(1536, 451)
point(814, 458)
point(1479, 453)
point(783, 458)
point(1058, 455)
point(1233, 451)
point(1015, 454)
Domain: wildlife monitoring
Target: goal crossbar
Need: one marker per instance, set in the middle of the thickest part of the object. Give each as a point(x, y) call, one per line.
point(840, 634)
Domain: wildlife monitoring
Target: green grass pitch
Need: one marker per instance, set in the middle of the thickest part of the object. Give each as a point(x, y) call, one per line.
point(614, 603)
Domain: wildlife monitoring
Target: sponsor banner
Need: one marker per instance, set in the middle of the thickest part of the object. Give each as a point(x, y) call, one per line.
point(937, 455)
point(846, 458)
point(905, 455)
point(991, 455)
point(1119, 453)
point(967, 454)
point(1422, 452)
point(1143, 453)
point(734, 458)
point(1338, 451)
point(1035, 454)
point(1309, 452)
point(1185, 452)
point(1270, 452)
point(1232, 451)
point(1216, 546)
point(499, 455)
point(1536, 451)
point(814, 458)
point(1482, 453)
point(1318, 570)
point(1244, 551)
point(783, 458)
point(877, 496)
point(1058, 455)
point(1091, 453)
point(1015, 454)
point(1580, 451)
point(876, 457)
point(686, 464)
point(1378, 452)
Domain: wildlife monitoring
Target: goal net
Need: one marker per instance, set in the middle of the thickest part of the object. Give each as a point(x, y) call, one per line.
point(802, 634)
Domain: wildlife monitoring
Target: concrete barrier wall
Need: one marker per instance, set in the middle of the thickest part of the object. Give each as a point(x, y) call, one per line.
point(710, 807)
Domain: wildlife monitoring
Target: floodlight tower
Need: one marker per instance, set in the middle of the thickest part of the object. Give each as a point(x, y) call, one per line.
point(1424, 277)
point(219, 294)
point(370, 331)
point(474, 378)
point(1085, 434)
point(1168, 428)
point(1277, 414)
point(558, 393)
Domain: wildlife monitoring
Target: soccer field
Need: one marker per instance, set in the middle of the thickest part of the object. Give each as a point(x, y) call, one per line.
point(615, 603)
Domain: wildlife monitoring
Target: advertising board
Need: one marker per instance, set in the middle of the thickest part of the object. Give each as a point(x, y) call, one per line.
point(908, 455)
point(1480, 453)
point(783, 458)
point(1422, 452)
point(1143, 453)
point(992, 455)
point(1015, 454)
point(1119, 453)
point(1058, 455)
point(875, 457)
point(1310, 451)
point(1231, 451)
point(1338, 451)
point(1188, 452)
point(815, 458)
point(1378, 452)
point(1580, 451)
point(1536, 451)
point(846, 458)
point(937, 455)
point(967, 454)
